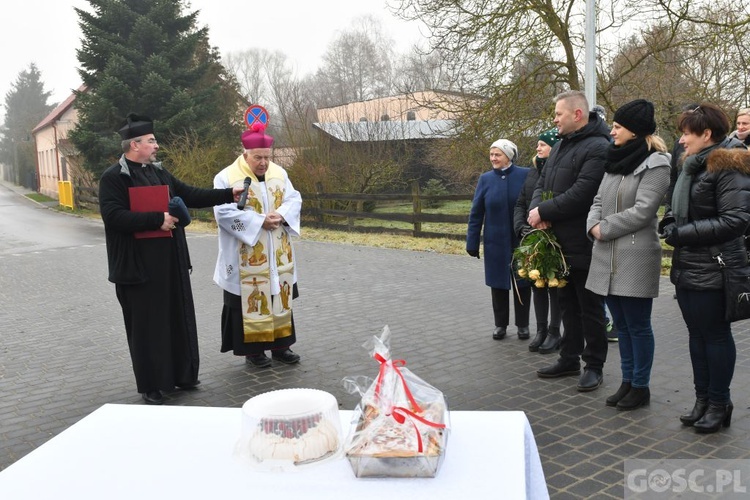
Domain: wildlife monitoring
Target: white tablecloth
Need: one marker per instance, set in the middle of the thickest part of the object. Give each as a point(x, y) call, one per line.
point(165, 452)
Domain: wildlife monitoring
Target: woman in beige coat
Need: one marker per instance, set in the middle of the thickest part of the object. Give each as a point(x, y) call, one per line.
point(626, 257)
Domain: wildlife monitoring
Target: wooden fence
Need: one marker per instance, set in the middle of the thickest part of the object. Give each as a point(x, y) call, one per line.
point(86, 197)
point(320, 210)
point(316, 212)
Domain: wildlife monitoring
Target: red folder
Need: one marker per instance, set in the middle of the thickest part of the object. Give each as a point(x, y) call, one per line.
point(150, 199)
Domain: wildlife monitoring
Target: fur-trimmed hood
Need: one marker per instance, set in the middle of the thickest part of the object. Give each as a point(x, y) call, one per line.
point(729, 159)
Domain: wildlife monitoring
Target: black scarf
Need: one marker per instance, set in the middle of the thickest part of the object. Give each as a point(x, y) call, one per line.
point(539, 162)
point(622, 160)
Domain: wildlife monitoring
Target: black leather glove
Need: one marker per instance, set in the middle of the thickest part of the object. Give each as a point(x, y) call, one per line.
point(526, 230)
point(473, 253)
point(670, 235)
point(666, 230)
point(666, 221)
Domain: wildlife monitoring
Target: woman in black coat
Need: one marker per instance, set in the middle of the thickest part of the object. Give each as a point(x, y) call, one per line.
point(708, 220)
point(547, 338)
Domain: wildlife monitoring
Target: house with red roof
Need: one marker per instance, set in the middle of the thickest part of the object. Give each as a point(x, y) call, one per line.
point(55, 154)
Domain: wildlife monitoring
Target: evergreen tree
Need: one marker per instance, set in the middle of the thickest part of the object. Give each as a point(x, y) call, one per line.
point(147, 57)
point(25, 106)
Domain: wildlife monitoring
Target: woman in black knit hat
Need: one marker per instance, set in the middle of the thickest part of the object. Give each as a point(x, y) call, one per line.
point(626, 256)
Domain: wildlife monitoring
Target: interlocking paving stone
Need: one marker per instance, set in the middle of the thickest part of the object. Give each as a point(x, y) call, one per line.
point(64, 354)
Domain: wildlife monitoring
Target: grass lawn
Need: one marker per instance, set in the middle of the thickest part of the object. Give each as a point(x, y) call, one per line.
point(447, 208)
point(39, 197)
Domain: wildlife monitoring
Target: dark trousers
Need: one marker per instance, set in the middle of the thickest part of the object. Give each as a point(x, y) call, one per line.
point(632, 317)
point(583, 319)
point(712, 349)
point(521, 308)
point(546, 303)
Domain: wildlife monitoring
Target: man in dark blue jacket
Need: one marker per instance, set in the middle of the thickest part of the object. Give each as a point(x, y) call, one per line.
point(569, 183)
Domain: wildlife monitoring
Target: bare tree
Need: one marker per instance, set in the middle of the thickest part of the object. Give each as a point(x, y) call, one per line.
point(357, 66)
point(492, 36)
point(517, 55)
point(248, 67)
point(421, 70)
point(267, 78)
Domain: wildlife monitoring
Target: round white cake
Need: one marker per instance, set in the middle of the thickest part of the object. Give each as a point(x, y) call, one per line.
point(298, 426)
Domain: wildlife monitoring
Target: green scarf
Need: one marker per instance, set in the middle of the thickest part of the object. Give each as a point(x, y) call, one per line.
point(681, 195)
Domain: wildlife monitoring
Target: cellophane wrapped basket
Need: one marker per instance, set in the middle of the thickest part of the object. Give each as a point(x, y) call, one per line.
point(400, 427)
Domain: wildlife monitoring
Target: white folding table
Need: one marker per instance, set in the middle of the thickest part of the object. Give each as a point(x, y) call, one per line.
point(162, 452)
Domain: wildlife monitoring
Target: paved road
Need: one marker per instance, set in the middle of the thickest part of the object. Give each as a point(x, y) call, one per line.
point(28, 226)
point(64, 353)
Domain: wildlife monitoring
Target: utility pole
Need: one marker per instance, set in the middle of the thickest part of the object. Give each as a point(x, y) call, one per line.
point(590, 40)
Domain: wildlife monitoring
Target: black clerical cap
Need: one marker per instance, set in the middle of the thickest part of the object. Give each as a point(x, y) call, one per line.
point(136, 126)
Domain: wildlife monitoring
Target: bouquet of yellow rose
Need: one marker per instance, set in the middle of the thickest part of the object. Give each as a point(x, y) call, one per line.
point(539, 258)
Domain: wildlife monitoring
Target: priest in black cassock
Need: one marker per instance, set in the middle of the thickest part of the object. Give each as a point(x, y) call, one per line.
point(149, 264)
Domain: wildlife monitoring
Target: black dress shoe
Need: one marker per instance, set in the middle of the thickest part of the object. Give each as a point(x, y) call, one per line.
point(153, 397)
point(523, 333)
point(500, 332)
point(590, 380)
point(188, 386)
point(258, 360)
point(637, 397)
point(561, 368)
point(699, 409)
point(285, 356)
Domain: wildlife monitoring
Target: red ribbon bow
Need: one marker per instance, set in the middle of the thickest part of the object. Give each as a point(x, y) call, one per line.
point(400, 413)
point(396, 363)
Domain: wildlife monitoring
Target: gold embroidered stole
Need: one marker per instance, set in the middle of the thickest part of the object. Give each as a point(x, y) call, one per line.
point(265, 319)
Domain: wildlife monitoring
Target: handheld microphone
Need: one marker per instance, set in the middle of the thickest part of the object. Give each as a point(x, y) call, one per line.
point(243, 196)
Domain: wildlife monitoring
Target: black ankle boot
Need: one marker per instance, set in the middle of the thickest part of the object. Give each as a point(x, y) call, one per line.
point(552, 342)
point(635, 398)
point(621, 393)
point(716, 416)
point(500, 332)
point(699, 409)
point(541, 335)
point(523, 333)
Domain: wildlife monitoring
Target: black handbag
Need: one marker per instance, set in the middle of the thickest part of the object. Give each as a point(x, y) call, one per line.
point(736, 290)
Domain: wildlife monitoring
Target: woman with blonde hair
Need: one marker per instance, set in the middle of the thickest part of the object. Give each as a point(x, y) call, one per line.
point(743, 127)
point(546, 305)
point(626, 257)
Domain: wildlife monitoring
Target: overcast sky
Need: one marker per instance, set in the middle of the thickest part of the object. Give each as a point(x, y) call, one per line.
point(46, 32)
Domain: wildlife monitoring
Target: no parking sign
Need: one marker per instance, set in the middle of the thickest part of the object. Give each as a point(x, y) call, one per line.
point(256, 114)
